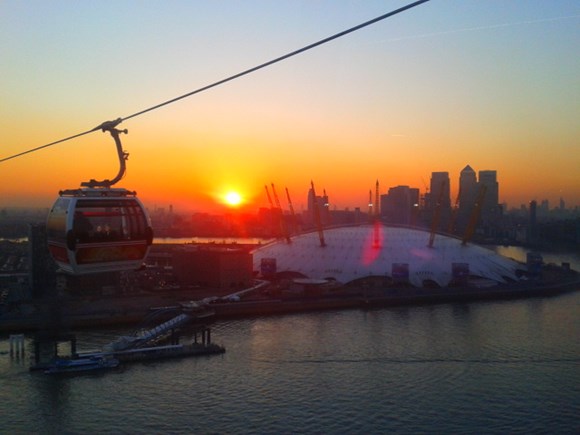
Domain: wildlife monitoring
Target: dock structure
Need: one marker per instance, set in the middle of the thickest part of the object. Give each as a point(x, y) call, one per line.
point(143, 346)
point(46, 347)
point(146, 337)
point(159, 352)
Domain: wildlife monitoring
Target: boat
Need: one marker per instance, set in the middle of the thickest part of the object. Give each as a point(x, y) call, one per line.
point(93, 363)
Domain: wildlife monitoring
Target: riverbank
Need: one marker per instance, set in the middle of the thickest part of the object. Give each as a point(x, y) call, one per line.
point(66, 312)
point(469, 363)
point(98, 313)
point(393, 296)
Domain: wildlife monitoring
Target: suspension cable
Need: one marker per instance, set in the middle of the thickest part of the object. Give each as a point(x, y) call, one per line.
point(228, 79)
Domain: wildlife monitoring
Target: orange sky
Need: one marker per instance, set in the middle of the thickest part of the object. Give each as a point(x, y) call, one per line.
point(434, 89)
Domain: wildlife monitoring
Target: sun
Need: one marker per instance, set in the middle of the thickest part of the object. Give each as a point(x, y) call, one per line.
point(233, 198)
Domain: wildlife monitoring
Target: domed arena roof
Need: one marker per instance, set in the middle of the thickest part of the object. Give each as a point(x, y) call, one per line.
point(357, 252)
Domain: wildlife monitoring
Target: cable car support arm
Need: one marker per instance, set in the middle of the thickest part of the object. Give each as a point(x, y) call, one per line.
point(110, 126)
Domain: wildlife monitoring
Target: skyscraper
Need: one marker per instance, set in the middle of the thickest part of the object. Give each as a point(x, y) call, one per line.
point(467, 190)
point(467, 195)
point(491, 198)
point(439, 182)
point(398, 205)
point(439, 200)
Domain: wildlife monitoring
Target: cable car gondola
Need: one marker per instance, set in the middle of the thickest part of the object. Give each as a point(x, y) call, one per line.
point(98, 228)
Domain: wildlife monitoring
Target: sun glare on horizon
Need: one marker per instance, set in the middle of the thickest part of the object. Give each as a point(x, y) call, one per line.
point(233, 199)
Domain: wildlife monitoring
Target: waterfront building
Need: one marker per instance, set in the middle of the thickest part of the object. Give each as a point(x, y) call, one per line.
point(213, 266)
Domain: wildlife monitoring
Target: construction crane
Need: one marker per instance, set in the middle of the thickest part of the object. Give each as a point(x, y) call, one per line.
point(273, 210)
point(475, 214)
point(425, 195)
point(269, 198)
point(425, 184)
point(317, 219)
point(281, 216)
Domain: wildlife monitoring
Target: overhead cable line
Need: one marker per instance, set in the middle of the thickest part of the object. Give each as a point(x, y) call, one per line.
point(279, 59)
point(228, 79)
point(47, 145)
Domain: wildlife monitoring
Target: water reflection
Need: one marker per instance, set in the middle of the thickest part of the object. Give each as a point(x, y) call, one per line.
point(493, 367)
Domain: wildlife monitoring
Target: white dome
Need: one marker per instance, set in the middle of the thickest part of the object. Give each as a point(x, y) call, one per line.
point(357, 252)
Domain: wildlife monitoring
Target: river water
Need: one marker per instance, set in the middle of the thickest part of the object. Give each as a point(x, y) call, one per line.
point(488, 367)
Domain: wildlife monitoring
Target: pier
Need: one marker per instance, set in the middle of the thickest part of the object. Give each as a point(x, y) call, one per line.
point(144, 345)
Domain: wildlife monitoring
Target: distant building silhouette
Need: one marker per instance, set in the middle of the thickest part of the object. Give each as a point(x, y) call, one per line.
point(440, 198)
point(467, 193)
point(346, 217)
point(469, 190)
point(533, 222)
point(544, 209)
point(398, 206)
point(323, 207)
point(491, 198)
point(440, 180)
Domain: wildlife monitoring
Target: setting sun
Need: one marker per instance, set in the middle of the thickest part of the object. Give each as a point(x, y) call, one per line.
point(233, 198)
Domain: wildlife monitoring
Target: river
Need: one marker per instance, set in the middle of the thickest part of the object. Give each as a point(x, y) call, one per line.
point(487, 367)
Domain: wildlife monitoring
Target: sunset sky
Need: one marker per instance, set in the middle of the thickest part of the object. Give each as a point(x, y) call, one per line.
point(494, 84)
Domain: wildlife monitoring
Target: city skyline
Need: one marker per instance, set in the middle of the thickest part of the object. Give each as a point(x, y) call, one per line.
point(436, 88)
